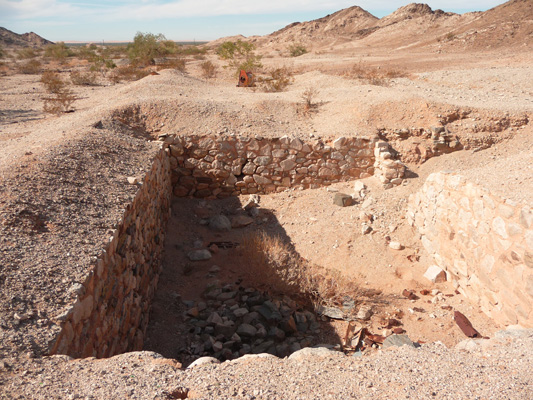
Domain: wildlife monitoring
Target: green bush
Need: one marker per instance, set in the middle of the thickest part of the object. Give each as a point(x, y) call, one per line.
point(146, 47)
point(240, 55)
point(26, 53)
point(58, 51)
point(297, 50)
point(30, 67)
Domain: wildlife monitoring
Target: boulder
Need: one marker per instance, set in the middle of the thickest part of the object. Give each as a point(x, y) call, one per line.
point(435, 274)
point(220, 223)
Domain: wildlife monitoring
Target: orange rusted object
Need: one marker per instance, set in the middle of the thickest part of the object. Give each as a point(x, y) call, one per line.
point(246, 79)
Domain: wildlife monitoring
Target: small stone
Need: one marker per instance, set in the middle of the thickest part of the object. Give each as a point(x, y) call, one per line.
point(342, 200)
point(396, 245)
point(193, 312)
point(435, 274)
point(220, 223)
point(364, 313)
point(132, 180)
point(214, 269)
point(241, 221)
point(240, 312)
point(203, 361)
point(365, 229)
point(199, 255)
point(331, 312)
point(246, 330)
point(398, 340)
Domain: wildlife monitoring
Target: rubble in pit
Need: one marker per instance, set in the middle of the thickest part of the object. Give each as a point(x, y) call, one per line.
point(232, 321)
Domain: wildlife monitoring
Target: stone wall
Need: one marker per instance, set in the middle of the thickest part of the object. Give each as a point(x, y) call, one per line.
point(222, 166)
point(483, 242)
point(110, 315)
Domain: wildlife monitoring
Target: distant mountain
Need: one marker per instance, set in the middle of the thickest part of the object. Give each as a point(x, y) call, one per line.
point(12, 39)
point(414, 25)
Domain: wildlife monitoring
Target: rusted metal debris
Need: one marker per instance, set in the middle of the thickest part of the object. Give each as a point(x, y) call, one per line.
point(465, 325)
point(409, 294)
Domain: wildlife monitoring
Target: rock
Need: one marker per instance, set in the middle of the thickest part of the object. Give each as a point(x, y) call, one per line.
point(199, 255)
point(364, 313)
point(214, 269)
point(241, 221)
point(203, 361)
point(365, 229)
point(342, 200)
point(214, 318)
point(252, 202)
point(435, 274)
point(193, 312)
point(246, 330)
point(226, 296)
point(220, 223)
point(276, 333)
point(396, 245)
point(331, 312)
point(310, 352)
point(132, 180)
point(397, 340)
point(240, 312)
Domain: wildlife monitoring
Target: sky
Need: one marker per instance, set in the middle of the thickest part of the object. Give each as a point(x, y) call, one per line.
point(183, 20)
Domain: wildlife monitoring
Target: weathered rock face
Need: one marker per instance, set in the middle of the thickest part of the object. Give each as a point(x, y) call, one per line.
point(482, 241)
point(222, 166)
point(110, 315)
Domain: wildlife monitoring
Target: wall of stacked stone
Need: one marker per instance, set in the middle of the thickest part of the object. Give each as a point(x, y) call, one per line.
point(389, 171)
point(222, 166)
point(483, 241)
point(110, 315)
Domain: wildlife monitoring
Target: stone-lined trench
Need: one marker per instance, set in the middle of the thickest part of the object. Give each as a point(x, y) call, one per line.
point(112, 310)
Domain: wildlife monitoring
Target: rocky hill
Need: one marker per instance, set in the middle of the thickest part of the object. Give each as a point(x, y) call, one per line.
point(12, 39)
point(413, 25)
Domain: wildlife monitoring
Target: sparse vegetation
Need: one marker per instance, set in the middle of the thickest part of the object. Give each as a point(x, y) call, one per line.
point(209, 70)
point(374, 76)
point(128, 73)
point(27, 53)
point(278, 79)
point(2, 52)
point(308, 98)
point(296, 50)
point(172, 63)
point(275, 265)
point(146, 47)
point(31, 67)
point(240, 55)
point(58, 51)
point(83, 78)
point(62, 97)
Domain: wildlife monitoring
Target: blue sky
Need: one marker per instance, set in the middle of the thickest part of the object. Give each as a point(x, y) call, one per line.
point(81, 20)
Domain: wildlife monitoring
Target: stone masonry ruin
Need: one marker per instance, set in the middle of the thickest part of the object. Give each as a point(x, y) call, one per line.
point(111, 310)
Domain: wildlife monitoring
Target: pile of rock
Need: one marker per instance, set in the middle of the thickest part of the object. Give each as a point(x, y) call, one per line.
point(234, 321)
point(387, 169)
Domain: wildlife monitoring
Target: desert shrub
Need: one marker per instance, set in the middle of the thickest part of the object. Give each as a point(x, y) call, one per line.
point(58, 51)
point(60, 102)
point(240, 55)
point(52, 82)
point(83, 78)
point(209, 70)
point(277, 80)
point(297, 50)
point(173, 63)
point(61, 98)
point(128, 73)
point(275, 265)
point(146, 47)
point(374, 76)
point(2, 52)
point(30, 67)
point(26, 53)
point(192, 50)
point(308, 97)
point(102, 65)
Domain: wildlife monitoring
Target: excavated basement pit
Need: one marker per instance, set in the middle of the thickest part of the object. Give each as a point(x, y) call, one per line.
point(213, 306)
